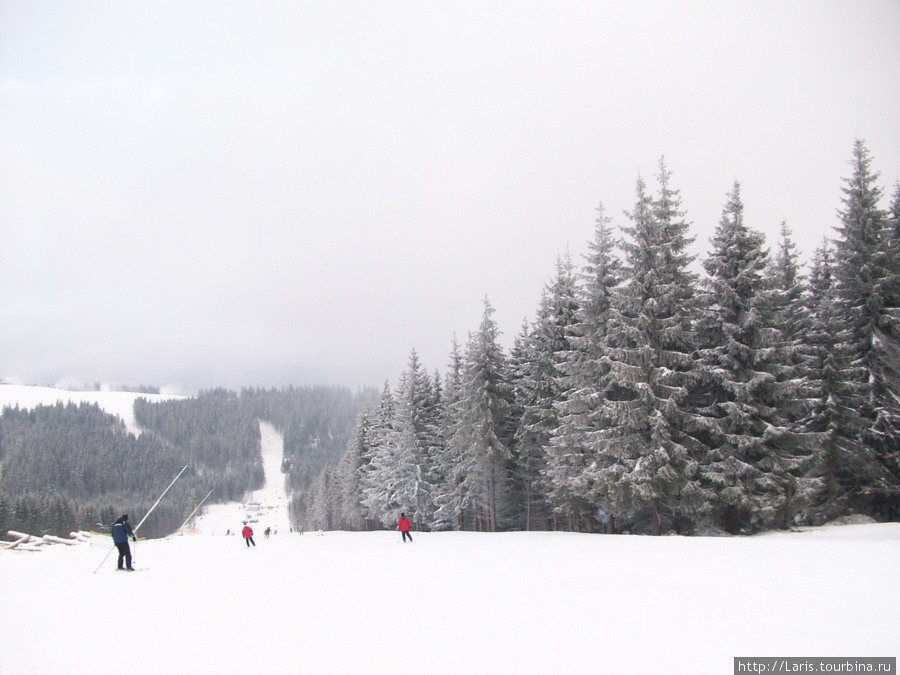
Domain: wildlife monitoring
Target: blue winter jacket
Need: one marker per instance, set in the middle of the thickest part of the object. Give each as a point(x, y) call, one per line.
point(121, 532)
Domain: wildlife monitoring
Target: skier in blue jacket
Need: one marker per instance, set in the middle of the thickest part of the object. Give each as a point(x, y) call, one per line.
point(120, 533)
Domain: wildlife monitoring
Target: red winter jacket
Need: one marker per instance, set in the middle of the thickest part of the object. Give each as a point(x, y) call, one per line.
point(247, 532)
point(403, 524)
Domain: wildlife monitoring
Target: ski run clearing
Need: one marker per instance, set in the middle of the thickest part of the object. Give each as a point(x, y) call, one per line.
point(118, 403)
point(450, 602)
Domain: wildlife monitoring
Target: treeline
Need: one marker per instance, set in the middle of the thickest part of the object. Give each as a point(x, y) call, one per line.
point(216, 434)
point(757, 395)
point(72, 467)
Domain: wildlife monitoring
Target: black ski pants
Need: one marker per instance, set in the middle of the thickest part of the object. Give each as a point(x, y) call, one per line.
point(249, 541)
point(124, 555)
point(405, 535)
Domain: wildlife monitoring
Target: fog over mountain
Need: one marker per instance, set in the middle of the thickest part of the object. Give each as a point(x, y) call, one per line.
point(232, 194)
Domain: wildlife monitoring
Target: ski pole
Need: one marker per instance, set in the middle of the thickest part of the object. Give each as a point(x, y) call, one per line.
point(104, 559)
point(134, 531)
point(195, 510)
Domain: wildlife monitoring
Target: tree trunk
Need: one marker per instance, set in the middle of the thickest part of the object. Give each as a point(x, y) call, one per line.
point(731, 519)
point(832, 481)
point(492, 500)
point(528, 508)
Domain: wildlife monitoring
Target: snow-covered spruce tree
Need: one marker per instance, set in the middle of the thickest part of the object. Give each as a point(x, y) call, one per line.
point(650, 455)
point(415, 420)
point(844, 464)
point(483, 435)
point(753, 462)
point(352, 466)
point(436, 415)
point(377, 477)
point(868, 276)
point(523, 481)
point(536, 379)
point(323, 502)
point(576, 481)
point(450, 464)
point(895, 213)
point(791, 312)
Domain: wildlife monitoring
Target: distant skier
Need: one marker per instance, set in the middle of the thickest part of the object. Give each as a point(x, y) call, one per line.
point(248, 535)
point(403, 525)
point(120, 533)
point(267, 532)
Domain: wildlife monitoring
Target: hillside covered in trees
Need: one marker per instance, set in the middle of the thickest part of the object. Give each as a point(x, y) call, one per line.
point(71, 467)
point(750, 395)
point(742, 392)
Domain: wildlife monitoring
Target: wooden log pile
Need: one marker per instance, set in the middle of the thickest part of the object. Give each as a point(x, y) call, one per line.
point(22, 541)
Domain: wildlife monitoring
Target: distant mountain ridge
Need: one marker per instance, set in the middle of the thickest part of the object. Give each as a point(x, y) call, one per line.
point(117, 403)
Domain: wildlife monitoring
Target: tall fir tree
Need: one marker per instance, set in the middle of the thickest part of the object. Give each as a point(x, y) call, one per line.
point(867, 255)
point(576, 482)
point(449, 460)
point(436, 442)
point(415, 423)
point(650, 347)
point(536, 362)
point(895, 213)
point(351, 468)
point(753, 463)
point(380, 476)
point(323, 506)
point(483, 434)
point(845, 466)
point(791, 314)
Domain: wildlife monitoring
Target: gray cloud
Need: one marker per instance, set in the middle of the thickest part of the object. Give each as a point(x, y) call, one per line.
point(243, 194)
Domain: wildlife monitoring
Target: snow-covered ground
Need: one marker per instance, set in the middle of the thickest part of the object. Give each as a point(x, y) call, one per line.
point(119, 403)
point(453, 602)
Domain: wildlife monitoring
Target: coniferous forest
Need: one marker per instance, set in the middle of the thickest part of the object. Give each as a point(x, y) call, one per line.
point(73, 467)
point(743, 392)
point(750, 394)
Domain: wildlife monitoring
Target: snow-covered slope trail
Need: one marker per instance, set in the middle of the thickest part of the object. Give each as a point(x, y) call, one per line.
point(455, 603)
point(264, 508)
point(118, 403)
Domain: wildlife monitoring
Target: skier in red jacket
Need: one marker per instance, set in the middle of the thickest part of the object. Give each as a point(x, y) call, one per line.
point(403, 525)
point(248, 535)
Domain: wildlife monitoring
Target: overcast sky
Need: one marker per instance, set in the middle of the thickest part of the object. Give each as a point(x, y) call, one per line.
point(267, 193)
